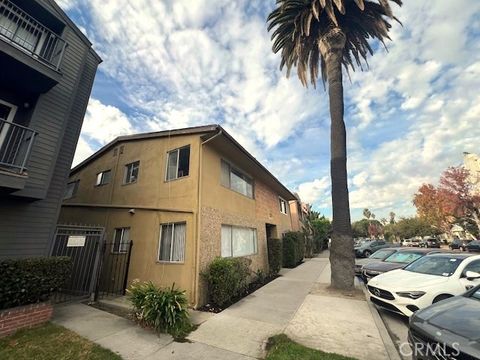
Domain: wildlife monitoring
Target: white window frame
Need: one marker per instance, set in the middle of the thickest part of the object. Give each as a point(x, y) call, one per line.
point(9, 120)
point(232, 227)
point(178, 163)
point(123, 245)
point(170, 261)
point(244, 175)
point(128, 172)
point(283, 201)
point(75, 184)
point(99, 181)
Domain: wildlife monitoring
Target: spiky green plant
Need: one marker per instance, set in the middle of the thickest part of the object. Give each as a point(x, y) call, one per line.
point(318, 37)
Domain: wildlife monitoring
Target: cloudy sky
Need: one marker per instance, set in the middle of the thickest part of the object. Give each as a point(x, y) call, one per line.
point(177, 63)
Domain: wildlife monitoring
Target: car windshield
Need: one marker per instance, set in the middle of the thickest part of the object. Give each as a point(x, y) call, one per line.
point(435, 265)
point(476, 294)
point(381, 254)
point(405, 257)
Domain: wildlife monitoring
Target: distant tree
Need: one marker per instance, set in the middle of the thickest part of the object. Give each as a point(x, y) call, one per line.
point(392, 217)
point(360, 228)
point(384, 221)
point(367, 214)
point(407, 228)
point(452, 201)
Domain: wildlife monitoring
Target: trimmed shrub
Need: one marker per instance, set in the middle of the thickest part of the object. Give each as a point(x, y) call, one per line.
point(165, 310)
point(31, 280)
point(275, 255)
point(293, 248)
point(226, 278)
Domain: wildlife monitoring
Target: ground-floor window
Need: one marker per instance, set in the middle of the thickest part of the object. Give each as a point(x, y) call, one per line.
point(238, 241)
point(121, 239)
point(172, 242)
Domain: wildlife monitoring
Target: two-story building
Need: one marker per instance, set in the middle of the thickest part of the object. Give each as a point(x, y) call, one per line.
point(183, 197)
point(47, 68)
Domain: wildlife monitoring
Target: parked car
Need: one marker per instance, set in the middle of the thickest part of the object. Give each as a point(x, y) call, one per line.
point(473, 246)
point(411, 242)
point(425, 281)
point(430, 243)
point(368, 248)
point(397, 260)
point(459, 244)
point(377, 256)
point(452, 326)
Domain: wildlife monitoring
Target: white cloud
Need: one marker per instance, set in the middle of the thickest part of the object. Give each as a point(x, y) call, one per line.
point(83, 151)
point(315, 191)
point(102, 123)
point(190, 62)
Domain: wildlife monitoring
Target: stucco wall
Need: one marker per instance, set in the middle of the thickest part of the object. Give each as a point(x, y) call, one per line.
point(221, 205)
point(144, 231)
point(150, 189)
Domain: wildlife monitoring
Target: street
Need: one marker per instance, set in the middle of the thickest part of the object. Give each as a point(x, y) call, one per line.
point(397, 326)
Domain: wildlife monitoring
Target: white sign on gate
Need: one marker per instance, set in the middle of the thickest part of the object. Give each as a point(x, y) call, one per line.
point(76, 241)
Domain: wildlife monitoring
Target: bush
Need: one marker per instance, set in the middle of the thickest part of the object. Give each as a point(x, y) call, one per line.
point(275, 255)
point(161, 309)
point(293, 248)
point(226, 278)
point(32, 280)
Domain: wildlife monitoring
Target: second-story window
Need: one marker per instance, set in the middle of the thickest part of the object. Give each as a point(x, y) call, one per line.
point(131, 172)
point(71, 189)
point(235, 180)
point(178, 163)
point(103, 178)
point(283, 206)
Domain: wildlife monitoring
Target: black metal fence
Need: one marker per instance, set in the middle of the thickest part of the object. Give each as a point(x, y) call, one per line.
point(81, 244)
point(115, 262)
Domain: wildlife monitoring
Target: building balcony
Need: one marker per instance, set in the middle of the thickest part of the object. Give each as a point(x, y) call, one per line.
point(31, 44)
point(16, 143)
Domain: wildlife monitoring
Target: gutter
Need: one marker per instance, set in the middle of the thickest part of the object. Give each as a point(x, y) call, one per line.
point(199, 217)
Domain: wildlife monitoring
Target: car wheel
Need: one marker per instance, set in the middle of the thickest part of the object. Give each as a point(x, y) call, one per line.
point(367, 253)
point(441, 297)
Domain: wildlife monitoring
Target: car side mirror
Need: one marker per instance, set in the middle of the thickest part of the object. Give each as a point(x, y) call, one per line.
point(472, 275)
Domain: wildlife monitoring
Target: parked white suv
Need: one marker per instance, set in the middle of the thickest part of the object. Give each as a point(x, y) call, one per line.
point(427, 280)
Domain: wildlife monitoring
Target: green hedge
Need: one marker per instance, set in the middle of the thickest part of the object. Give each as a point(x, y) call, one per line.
point(161, 309)
point(226, 278)
point(275, 255)
point(293, 248)
point(32, 280)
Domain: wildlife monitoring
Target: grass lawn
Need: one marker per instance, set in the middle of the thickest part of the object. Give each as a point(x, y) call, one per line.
point(282, 348)
point(51, 342)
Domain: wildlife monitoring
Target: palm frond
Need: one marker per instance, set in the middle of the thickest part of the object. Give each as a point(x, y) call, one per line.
point(298, 26)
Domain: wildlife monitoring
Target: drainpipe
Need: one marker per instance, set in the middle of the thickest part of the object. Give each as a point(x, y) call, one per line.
point(199, 217)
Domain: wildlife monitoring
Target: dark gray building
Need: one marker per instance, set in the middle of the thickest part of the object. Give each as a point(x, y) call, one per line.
point(47, 68)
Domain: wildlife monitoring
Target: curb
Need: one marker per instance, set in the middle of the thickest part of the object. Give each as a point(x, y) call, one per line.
point(384, 334)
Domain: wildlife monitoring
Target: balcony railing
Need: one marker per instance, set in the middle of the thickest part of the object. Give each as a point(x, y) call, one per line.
point(24, 32)
point(15, 146)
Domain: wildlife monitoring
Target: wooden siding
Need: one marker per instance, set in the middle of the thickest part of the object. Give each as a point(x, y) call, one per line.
point(28, 217)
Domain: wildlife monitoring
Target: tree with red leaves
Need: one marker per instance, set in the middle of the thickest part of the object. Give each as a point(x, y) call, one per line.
point(453, 201)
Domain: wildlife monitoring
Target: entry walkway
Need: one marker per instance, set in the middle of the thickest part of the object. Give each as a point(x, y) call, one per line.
point(298, 303)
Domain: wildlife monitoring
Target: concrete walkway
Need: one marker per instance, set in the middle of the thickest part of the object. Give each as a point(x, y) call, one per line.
point(298, 303)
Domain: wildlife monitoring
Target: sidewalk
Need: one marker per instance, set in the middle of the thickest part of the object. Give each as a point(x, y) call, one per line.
point(298, 303)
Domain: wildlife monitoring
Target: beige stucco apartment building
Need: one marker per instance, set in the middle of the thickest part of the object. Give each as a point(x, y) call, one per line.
point(472, 164)
point(183, 197)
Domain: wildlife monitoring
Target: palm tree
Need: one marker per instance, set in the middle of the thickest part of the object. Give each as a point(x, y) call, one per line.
point(331, 33)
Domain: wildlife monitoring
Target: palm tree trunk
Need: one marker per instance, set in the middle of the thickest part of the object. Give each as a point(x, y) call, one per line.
point(342, 258)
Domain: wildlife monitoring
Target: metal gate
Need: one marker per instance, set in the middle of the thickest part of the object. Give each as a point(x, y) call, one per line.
point(81, 244)
point(115, 261)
